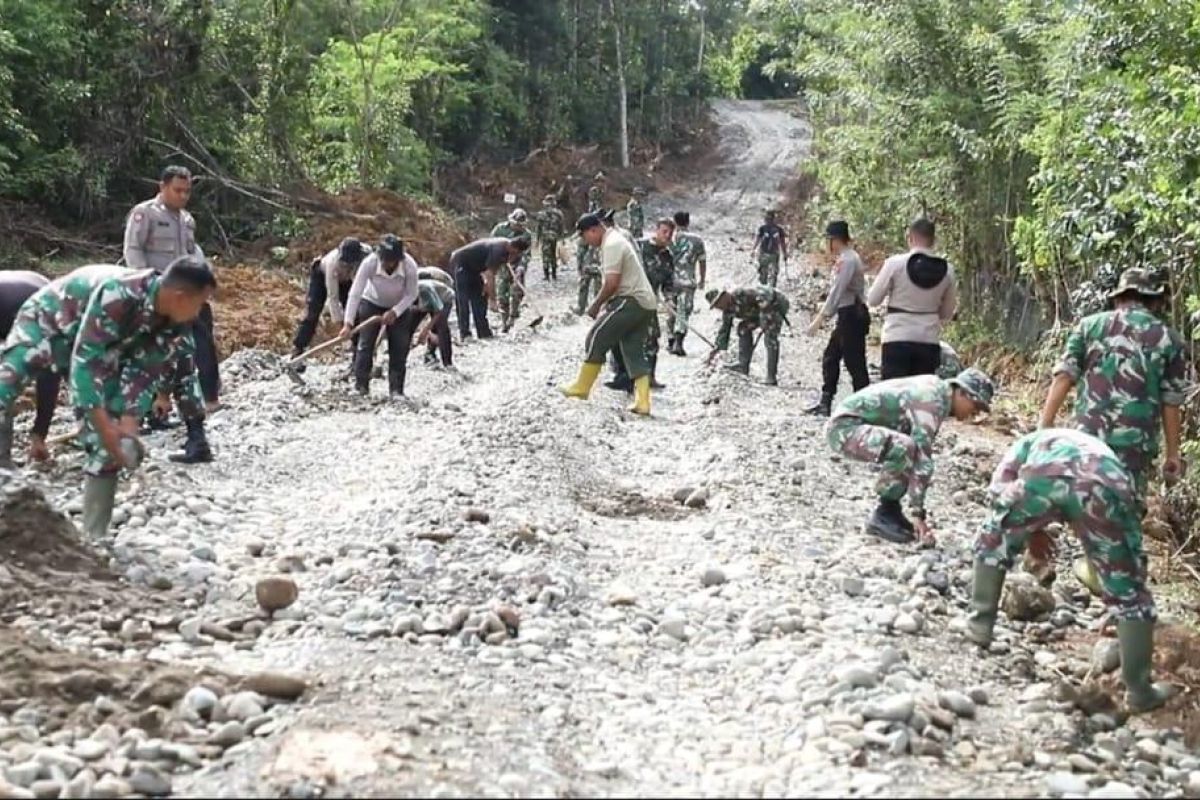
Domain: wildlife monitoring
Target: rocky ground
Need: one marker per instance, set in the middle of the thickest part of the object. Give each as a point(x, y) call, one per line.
point(502, 592)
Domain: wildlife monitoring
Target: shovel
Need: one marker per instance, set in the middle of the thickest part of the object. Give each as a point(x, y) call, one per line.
point(289, 367)
point(540, 317)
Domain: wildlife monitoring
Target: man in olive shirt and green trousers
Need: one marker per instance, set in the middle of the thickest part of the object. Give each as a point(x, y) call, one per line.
point(629, 310)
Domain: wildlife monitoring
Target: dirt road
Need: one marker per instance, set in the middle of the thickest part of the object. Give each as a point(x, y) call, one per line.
point(584, 632)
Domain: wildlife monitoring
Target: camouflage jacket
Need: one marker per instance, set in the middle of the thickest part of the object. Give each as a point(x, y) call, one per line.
point(1061, 453)
point(915, 407)
point(125, 351)
point(689, 252)
point(760, 306)
point(551, 224)
point(637, 215)
point(950, 364)
point(1128, 364)
point(659, 264)
point(595, 199)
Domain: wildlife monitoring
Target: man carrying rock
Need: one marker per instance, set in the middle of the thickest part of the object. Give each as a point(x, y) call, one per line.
point(329, 280)
point(690, 256)
point(474, 268)
point(758, 308)
point(157, 232)
point(769, 245)
point(919, 288)
point(119, 335)
point(385, 286)
point(551, 227)
point(510, 280)
point(1069, 477)
point(846, 303)
point(17, 286)
point(1131, 372)
point(893, 424)
point(636, 212)
point(629, 309)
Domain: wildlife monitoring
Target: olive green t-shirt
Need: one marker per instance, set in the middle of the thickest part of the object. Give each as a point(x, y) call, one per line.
point(617, 255)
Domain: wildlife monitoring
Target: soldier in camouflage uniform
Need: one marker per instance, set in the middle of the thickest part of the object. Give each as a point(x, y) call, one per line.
point(893, 424)
point(1130, 370)
point(951, 364)
point(119, 335)
point(637, 214)
point(550, 228)
point(758, 307)
point(658, 262)
point(1065, 476)
point(510, 279)
point(587, 262)
point(770, 243)
point(596, 194)
point(688, 249)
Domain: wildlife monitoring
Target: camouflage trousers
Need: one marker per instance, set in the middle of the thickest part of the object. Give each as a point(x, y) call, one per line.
point(768, 268)
point(652, 337)
point(1107, 523)
point(893, 451)
point(589, 287)
point(684, 300)
point(550, 258)
point(26, 353)
point(97, 460)
point(509, 293)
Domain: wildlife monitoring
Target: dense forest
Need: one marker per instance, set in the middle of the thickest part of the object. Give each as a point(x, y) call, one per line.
point(1055, 143)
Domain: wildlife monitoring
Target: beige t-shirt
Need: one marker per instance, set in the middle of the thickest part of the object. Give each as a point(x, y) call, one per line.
point(617, 255)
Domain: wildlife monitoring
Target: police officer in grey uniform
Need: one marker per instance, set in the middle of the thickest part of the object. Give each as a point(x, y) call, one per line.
point(157, 232)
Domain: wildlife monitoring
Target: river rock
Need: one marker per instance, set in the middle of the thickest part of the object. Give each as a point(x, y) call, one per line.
point(276, 593)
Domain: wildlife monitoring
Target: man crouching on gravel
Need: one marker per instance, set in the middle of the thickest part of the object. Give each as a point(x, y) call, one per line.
point(1066, 476)
point(118, 336)
point(630, 308)
point(893, 424)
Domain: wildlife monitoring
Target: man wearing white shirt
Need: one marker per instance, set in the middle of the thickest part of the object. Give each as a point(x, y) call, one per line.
point(329, 280)
point(921, 296)
point(385, 286)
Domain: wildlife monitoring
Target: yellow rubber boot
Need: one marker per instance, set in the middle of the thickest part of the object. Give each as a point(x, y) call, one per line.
point(641, 396)
point(582, 387)
point(1085, 573)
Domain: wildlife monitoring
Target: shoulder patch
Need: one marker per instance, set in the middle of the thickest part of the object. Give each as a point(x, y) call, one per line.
point(138, 216)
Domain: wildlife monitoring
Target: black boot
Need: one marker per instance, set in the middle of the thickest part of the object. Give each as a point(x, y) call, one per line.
point(396, 382)
point(6, 440)
point(195, 447)
point(772, 367)
point(822, 408)
point(654, 384)
point(679, 351)
point(302, 366)
point(745, 353)
point(889, 523)
point(620, 382)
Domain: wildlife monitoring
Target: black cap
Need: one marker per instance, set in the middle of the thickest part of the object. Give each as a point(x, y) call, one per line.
point(838, 229)
point(351, 250)
point(391, 247)
point(587, 222)
point(609, 215)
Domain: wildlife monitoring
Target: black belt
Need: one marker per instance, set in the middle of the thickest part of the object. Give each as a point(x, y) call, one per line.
point(892, 310)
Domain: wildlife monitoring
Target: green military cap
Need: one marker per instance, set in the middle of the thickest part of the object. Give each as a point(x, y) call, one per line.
point(548, 200)
point(713, 295)
point(1137, 280)
point(977, 385)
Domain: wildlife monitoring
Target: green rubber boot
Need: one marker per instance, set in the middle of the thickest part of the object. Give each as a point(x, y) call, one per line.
point(1136, 637)
point(985, 599)
point(6, 440)
point(99, 497)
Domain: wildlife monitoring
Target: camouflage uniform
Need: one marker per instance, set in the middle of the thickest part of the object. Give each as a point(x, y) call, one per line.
point(1128, 364)
point(595, 198)
point(551, 226)
point(587, 261)
point(688, 249)
point(659, 264)
point(756, 307)
point(637, 217)
point(508, 293)
point(893, 424)
point(1065, 476)
point(98, 325)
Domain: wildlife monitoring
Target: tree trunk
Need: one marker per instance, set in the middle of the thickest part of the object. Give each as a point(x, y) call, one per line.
point(699, 84)
point(623, 107)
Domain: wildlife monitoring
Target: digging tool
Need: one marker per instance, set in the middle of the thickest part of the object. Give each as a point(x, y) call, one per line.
point(63, 438)
point(525, 292)
point(675, 313)
point(289, 366)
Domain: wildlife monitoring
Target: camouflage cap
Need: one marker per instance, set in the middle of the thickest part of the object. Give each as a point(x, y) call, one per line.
point(978, 386)
point(518, 216)
point(548, 200)
point(713, 295)
point(1137, 280)
point(639, 191)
